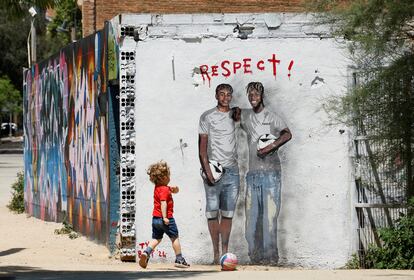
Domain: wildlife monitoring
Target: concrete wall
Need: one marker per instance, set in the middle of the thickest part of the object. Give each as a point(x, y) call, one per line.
point(315, 225)
point(66, 143)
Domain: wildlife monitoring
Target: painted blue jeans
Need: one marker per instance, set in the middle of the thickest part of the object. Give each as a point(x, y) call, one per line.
point(262, 210)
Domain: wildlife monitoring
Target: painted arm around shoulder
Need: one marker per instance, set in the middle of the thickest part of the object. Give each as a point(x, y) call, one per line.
point(285, 136)
point(236, 114)
point(202, 154)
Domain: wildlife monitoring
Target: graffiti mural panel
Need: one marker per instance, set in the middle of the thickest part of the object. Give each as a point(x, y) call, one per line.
point(273, 196)
point(66, 137)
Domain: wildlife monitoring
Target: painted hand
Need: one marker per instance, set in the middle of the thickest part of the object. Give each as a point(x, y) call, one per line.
point(269, 149)
point(261, 153)
point(210, 181)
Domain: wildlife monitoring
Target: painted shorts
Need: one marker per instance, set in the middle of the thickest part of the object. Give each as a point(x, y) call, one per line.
point(223, 195)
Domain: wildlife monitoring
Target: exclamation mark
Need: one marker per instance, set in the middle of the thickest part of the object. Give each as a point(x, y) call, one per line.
point(290, 68)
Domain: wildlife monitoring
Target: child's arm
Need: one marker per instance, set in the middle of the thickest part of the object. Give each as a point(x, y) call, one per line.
point(174, 189)
point(164, 212)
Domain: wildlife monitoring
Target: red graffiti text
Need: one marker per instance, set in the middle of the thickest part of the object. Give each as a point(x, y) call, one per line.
point(226, 68)
point(156, 253)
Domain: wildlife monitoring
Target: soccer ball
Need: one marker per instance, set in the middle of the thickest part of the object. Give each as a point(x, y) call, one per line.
point(228, 262)
point(216, 170)
point(265, 140)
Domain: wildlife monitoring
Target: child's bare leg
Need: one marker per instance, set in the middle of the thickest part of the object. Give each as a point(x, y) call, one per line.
point(214, 228)
point(154, 243)
point(179, 259)
point(151, 246)
point(225, 229)
point(176, 245)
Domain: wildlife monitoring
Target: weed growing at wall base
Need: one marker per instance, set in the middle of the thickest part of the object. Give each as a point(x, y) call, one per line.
point(398, 243)
point(353, 263)
point(17, 202)
point(67, 229)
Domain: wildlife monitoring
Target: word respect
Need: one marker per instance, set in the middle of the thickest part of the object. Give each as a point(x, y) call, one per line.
point(246, 66)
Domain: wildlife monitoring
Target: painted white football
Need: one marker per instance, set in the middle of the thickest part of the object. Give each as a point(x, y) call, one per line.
point(216, 169)
point(265, 140)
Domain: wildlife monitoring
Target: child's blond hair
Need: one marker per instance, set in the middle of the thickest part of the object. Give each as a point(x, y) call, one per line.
point(157, 171)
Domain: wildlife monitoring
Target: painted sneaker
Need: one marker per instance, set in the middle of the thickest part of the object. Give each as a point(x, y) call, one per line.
point(143, 260)
point(181, 263)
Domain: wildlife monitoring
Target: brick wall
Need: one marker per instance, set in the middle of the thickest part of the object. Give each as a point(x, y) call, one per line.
point(107, 9)
point(88, 17)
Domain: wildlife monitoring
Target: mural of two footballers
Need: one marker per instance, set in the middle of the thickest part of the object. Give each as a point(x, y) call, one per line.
point(217, 142)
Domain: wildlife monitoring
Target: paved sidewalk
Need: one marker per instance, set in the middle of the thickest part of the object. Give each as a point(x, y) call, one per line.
point(11, 145)
point(202, 274)
point(29, 249)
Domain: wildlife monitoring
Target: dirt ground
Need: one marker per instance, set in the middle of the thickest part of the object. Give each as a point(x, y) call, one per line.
point(29, 249)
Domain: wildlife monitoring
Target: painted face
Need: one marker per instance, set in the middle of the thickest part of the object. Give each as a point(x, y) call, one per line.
point(224, 97)
point(255, 98)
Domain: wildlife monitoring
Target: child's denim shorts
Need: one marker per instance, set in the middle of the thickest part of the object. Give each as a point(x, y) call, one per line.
point(159, 228)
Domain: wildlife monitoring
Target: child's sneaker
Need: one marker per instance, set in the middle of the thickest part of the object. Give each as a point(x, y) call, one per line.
point(143, 260)
point(181, 263)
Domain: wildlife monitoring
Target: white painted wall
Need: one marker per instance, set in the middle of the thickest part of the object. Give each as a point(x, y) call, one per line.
point(315, 224)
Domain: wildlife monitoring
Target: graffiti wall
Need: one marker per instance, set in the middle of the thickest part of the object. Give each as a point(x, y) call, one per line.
point(180, 61)
point(66, 149)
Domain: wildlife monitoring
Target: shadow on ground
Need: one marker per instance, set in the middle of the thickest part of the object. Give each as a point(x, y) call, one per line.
point(11, 251)
point(27, 272)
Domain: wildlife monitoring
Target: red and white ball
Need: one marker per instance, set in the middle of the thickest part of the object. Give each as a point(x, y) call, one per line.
point(228, 262)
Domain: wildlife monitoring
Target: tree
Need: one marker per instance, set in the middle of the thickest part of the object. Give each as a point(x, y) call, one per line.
point(14, 33)
point(10, 98)
point(68, 16)
point(13, 45)
point(380, 36)
point(18, 9)
point(15, 22)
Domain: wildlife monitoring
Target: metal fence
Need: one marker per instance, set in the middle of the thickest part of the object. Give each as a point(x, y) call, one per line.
point(380, 174)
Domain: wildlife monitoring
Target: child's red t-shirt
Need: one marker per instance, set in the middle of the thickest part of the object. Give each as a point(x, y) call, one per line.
point(162, 193)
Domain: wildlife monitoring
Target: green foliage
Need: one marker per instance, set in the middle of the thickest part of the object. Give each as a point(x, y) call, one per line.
point(14, 33)
point(68, 15)
point(353, 263)
point(67, 228)
point(398, 243)
point(73, 235)
point(380, 37)
point(379, 27)
point(17, 202)
point(17, 9)
point(13, 47)
point(10, 97)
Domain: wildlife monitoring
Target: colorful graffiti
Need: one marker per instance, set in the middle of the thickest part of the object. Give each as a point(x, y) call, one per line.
point(66, 137)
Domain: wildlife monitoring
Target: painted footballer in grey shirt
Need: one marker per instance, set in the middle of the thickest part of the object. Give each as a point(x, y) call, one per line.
point(221, 136)
point(263, 180)
point(217, 141)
